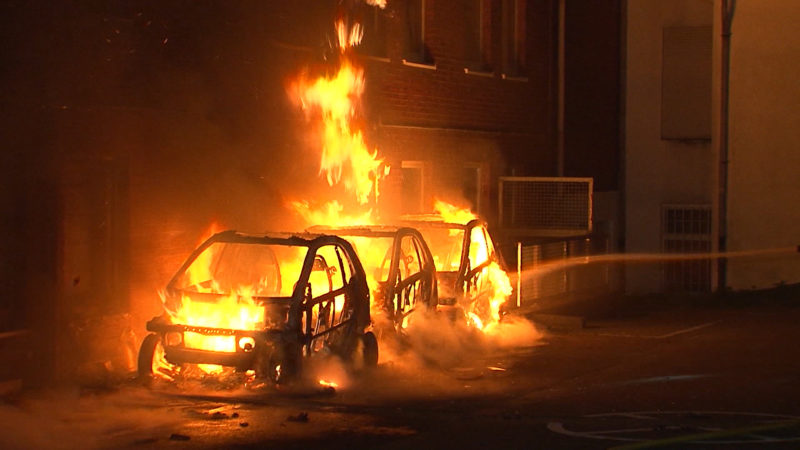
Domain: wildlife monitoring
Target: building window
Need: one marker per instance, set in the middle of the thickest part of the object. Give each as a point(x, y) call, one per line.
point(514, 37)
point(686, 229)
point(413, 187)
point(686, 83)
point(471, 185)
point(375, 22)
point(477, 37)
point(416, 49)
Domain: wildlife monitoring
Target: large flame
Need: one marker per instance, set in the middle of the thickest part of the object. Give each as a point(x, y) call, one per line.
point(334, 101)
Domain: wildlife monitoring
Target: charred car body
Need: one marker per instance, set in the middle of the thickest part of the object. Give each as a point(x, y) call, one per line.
point(463, 254)
point(399, 266)
point(262, 303)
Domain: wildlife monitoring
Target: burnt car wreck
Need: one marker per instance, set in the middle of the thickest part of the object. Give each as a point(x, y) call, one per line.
point(400, 270)
point(468, 267)
point(262, 304)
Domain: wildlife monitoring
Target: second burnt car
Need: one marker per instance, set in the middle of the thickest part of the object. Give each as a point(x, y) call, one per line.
point(400, 270)
point(468, 267)
point(262, 304)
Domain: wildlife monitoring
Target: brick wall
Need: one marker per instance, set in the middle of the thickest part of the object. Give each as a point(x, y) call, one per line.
point(449, 98)
point(440, 114)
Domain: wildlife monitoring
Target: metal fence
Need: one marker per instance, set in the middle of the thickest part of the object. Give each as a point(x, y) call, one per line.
point(563, 269)
point(546, 206)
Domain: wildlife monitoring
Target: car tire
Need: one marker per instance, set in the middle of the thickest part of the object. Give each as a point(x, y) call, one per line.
point(369, 350)
point(147, 353)
point(289, 361)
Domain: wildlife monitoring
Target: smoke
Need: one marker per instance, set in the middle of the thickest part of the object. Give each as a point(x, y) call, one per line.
point(331, 370)
point(512, 331)
point(68, 419)
point(437, 340)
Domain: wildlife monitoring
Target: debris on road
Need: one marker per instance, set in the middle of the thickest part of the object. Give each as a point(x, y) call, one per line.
point(301, 417)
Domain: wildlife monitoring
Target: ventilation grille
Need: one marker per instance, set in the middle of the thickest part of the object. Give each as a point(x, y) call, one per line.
point(686, 229)
point(548, 206)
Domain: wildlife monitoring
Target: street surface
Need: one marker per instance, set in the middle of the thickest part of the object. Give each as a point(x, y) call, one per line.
point(696, 377)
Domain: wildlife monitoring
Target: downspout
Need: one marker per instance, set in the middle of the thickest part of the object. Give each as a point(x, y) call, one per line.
point(562, 12)
point(727, 11)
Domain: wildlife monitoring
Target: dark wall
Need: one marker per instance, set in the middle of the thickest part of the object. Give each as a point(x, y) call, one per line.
point(592, 91)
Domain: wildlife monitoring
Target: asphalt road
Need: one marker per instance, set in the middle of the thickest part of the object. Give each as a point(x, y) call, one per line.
point(687, 377)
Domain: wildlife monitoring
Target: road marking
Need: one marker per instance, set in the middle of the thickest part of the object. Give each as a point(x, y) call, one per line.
point(686, 330)
point(665, 378)
point(706, 437)
point(661, 336)
point(752, 428)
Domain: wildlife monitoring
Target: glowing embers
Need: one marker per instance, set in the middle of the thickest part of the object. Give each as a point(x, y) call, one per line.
point(330, 384)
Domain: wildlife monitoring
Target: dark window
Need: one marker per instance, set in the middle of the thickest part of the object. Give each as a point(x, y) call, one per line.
point(374, 20)
point(416, 49)
point(477, 36)
point(514, 37)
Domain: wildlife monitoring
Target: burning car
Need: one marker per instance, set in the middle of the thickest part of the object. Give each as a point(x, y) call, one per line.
point(468, 267)
point(399, 267)
point(262, 303)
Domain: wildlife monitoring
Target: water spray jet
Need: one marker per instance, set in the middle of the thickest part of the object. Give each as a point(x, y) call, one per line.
point(652, 257)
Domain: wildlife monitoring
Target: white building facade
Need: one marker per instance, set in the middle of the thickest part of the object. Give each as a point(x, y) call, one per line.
point(711, 142)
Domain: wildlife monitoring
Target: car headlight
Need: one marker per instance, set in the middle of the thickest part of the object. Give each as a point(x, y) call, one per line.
point(173, 338)
point(247, 343)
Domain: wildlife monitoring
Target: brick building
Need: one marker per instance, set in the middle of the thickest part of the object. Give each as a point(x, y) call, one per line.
point(129, 127)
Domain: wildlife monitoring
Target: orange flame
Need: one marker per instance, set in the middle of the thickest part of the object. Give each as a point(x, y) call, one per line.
point(329, 214)
point(203, 271)
point(335, 102)
point(326, 383)
point(379, 3)
point(497, 279)
point(238, 310)
point(349, 38)
point(453, 214)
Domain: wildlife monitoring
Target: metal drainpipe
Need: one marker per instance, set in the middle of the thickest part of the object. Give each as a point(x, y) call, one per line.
point(562, 13)
point(727, 10)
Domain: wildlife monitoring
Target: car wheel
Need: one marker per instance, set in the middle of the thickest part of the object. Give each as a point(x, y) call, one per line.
point(370, 350)
point(147, 354)
point(284, 366)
